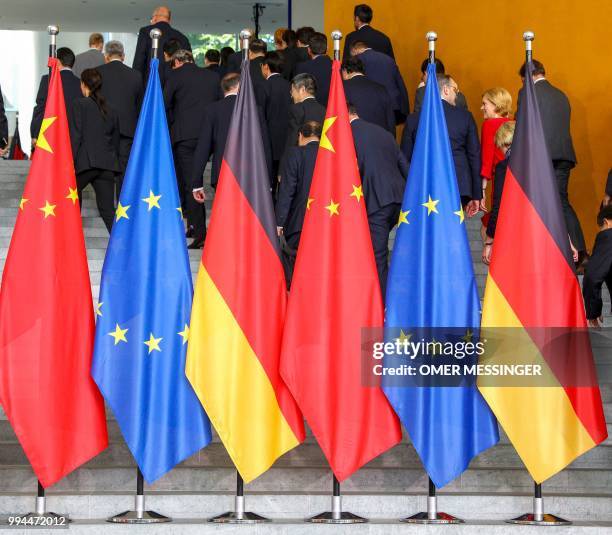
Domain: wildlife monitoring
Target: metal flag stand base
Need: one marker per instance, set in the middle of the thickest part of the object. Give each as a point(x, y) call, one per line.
point(44, 518)
point(239, 515)
point(432, 516)
point(538, 517)
point(337, 515)
point(139, 515)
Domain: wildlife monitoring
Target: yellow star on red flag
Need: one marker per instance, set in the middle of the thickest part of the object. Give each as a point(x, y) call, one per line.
point(22, 202)
point(309, 202)
point(357, 192)
point(41, 141)
point(48, 209)
point(73, 195)
point(333, 207)
point(325, 143)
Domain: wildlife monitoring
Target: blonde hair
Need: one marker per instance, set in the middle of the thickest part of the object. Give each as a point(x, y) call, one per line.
point(278, 35)
point(501, 99)
point(505, 134)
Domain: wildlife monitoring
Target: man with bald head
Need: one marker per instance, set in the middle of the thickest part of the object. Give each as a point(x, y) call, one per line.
point(160, 20)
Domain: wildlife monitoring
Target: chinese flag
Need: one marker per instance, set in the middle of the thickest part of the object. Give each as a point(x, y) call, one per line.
point(334, 294)
point(46, 313)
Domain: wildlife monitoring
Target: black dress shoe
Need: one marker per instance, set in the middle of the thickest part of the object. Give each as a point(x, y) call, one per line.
point(198, 243)
point(189, 233)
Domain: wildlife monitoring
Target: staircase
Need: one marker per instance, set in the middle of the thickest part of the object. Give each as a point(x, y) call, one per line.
point(495, 487)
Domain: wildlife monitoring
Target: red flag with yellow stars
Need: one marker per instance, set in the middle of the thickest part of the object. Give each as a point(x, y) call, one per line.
point(335, 293)
point(46, 312)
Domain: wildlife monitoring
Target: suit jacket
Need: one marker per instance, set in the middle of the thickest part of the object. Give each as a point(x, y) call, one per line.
point(72, 90)
point(257, 78)
point(296, 177)
point(465, 146)
point(291, 57)
point(371, 101)
point(234, 62)
point(122, 87)
point(320, 67)
point(188, 90)
point(276, 105)
point(555, 112)
point(609, 184)
point(89, 59)
point(94, 138)
point(308, 110)
point(142, 56)
point(382, 166)
point(212, 138)
point(498, 188)
point(214, 67)
point(597, 271)
point(373, 38)
point(382, 69)
point(420, 93)
point(4, 135)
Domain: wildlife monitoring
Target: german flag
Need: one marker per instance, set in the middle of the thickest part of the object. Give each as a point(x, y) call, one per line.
point(532, 287)
point(239, 307)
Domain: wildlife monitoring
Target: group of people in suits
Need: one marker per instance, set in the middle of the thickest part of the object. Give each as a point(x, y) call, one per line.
point(291, 85)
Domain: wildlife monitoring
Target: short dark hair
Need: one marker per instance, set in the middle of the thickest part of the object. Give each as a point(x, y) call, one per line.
point(96, 39)
point(304, 34)
point(257, 46)
point(310, 129)
point(66, 56)
point(439, 66)
point(318, 43)
point(359, 44)
point(226, 52)
point(364, 13)
point(182, 55)
point(352, 64)
point(351, 108)
point(213, 55)
point(171, 46)
point(230, 81)
point(290, 38)
point(604, 213)
point(305, 80)
point(274, 61)
point(538, 69)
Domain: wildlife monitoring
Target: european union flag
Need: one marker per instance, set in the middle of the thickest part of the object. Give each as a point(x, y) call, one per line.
point(431, 284)
point(145, 305)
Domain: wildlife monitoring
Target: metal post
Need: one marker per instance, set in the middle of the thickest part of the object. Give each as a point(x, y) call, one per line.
point(257, 13)
point(155, 34)
point(40, 513)
point(139, 515)
point(539, 517)
point(245, 37)
point(528, 37)
point(432, 515)
point(336, 515)
point(239, 515)
point(336, 36)
point(432, 37)
point(53, 30)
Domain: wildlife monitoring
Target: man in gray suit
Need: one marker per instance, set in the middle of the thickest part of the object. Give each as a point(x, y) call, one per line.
point(555, 112)
point(93, 57)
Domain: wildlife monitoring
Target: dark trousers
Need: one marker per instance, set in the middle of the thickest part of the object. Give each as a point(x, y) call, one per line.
point(103, 182)
point(125, 146)
point(195, 212)
point(381, 223)
point(562, 173)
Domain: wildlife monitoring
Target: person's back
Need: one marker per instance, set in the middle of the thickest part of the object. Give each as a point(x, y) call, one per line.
point(319, 65)
point(375, 39)
point(91, 58)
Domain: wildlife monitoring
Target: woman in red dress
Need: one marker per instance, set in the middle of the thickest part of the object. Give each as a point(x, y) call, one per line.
point(496, 108)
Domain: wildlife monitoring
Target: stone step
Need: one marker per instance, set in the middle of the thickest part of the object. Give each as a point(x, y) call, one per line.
point(299, 506)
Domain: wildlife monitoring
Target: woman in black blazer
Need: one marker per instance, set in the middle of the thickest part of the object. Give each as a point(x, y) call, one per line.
point(94, 133)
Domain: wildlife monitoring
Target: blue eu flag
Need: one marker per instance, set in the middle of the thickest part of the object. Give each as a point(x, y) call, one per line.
point(145, 305)
point(431, 284)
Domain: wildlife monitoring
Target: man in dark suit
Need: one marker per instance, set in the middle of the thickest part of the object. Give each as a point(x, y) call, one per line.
point(211, 142)
point(375, 39)
point(4, 146)
point(92, 58)
point(599, 269)
point(319, 65)
point(369, 98)
point(276, 100)
point(257, 53)
point(465, 146)
point(296, 49)
point(555, 112)
point(294, 187)
point(211, 60)
point(382, 69)
point(234, 60)
point(187, 92)
point(304, 108)
point(123, 90)
point(160, 20)
point(71, 85)
point(460, 101)
point(383, 171)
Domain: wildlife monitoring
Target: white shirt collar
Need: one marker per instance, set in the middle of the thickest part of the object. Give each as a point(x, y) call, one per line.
point(539, 80)
point(233, 93)
point(273, 74)
point(364, 25)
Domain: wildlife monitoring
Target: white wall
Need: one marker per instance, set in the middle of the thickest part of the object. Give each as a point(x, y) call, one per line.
point(307, 13)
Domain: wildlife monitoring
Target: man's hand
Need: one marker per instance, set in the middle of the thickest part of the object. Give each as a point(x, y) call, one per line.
point(471, 208)
point(606, 200)
point(596, 323)
point(199, 195)
point(4, 151)
point(486, 253)
point(279, 231)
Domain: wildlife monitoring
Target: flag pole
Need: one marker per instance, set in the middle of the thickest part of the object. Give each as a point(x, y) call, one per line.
point(140, 515)
point(336, 515)
point(432, 516)
point(538, 517)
